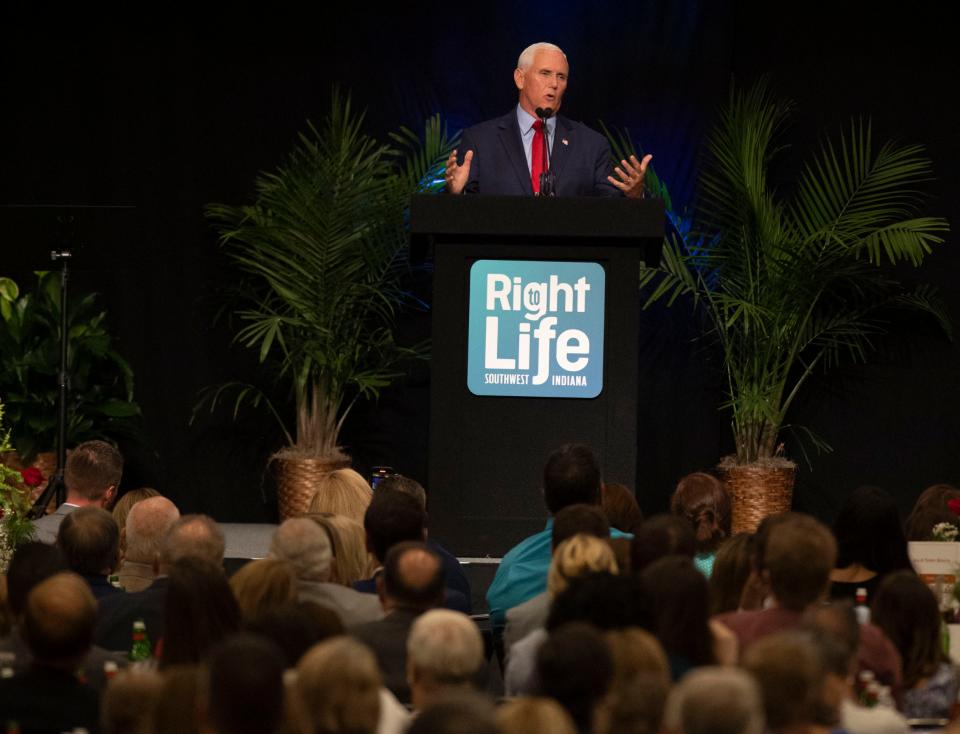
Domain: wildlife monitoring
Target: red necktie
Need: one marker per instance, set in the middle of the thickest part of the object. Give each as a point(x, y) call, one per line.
point(536, 156)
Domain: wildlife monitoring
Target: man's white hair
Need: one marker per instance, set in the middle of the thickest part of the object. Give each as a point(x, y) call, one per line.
point(445, 645)
point(305, 546)
point(715, 700)
point(526, 56)
point(147, 525)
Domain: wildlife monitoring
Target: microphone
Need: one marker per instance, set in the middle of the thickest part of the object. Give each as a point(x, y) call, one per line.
point(544, 113)
point(546, 178)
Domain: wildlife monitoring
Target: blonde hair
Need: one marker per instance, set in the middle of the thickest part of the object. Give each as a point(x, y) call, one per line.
point(641, 681)
point(338, 687)
point(352, 560)
point(343, 492)
point(129, 701)
point(534, 714)
point(578, 556)
point(263, 585)
point(121, 507)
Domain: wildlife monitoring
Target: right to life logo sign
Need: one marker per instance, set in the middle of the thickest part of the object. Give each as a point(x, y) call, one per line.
point(536, 329)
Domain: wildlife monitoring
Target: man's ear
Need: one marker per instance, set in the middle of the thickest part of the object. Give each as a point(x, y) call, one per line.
point(518, 78)
point(381, 591)
point(123, 541)
point(108, 496)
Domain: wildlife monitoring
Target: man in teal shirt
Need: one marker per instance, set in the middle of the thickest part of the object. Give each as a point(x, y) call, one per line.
point(571, 476)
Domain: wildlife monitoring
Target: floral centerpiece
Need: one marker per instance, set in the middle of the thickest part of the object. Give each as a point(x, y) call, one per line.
point(15, 493)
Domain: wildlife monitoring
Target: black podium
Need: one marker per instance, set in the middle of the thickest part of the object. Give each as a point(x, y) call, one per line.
point(525, 293)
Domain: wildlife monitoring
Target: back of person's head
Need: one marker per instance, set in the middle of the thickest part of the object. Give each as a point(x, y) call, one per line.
point(662, 535)
point(121, 508)
point(391, 518)
point(906, 610)
point(200, 611)
point(621, 508)
point(262, 585)
point(351, 560)
point(936, 495)
point(680, 608)
point(400, 483)
point(183, 684)
point(92, 470)
point(714, 700)
point(338, 686)
point(413, 576)
point(59, 619)
point(129, 701)
point(193, 536)
point(342, 492)
point(296, 627)
point(147, 522)
point(580, 518)
point(731, 569)
point(534, 715)
point(702, 498)
point(305, 545)
point(575, 667)
point(921, 522)
point(457, 713)
point(245, 688)
point(604, 600)
point(89, 539)
point(444, 647)
point(578, 556)
point(835, 633)
point(790, 675)
point(32, 562)
point(799, 555)
point(571, 476)
point(641, 680)
point(869, 531)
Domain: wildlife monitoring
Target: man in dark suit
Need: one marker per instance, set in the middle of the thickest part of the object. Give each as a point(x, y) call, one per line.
point(411, 583)
point(502, 156)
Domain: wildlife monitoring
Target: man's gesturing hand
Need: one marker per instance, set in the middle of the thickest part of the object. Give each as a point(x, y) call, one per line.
point(630, 175)
point(456, 176)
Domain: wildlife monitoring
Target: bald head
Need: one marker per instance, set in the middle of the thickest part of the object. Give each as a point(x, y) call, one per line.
point(59, 619)
point(413, 576)
point(193, 536)
point(305, 546)
point(147, 524)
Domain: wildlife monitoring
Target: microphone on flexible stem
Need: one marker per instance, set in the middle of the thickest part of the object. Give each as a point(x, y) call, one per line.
point(546, 177)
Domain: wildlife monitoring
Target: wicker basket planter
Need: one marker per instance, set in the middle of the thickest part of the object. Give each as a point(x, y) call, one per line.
point(758, 490)
point(298, 478)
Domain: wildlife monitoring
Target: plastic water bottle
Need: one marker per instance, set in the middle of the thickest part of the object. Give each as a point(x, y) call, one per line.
point(861, 608)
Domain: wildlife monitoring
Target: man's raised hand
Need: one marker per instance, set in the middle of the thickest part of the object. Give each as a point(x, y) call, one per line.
point(630, 175)
point(456, 176)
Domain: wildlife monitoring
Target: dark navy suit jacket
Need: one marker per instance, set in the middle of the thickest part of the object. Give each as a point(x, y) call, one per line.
point(580, 159)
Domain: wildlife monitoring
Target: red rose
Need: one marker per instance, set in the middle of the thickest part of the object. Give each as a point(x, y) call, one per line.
point(954, 506)
point(32, 476)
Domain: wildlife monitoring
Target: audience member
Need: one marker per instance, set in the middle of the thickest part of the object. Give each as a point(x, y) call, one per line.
point(262, 585)
point(906, 610)
point(444, 654)
point(714, 700)
point(411, 583)
point(343, 492)
point(192, 536)
point(338, 688)
point(295, 628)
point(455, 577)
point(571, 476)
point(147, 522)
point(91, 475)
point(121, 508)
point(129, 701)
point(731, 570)
point(58, 623)
point(660, 536)
point(305, 545)
point(932, 508)
point(534, 715)
point(581, 648)
point(184, 685)
point(200, 611)
point(459, 714)
point(620, 506)
point(351, 561)
point(245, 689)
point(703, 500)
point(641, 681)
point(89, 540)
point(870, 543)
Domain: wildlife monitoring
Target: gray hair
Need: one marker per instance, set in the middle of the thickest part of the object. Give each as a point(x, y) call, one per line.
point(445, 645)
point(193, 536)
point(305, 546)
point(715, 700)
point(147, 524)
point(527, 55)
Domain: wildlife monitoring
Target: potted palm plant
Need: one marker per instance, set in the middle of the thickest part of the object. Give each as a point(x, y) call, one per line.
point(791, 285)
point(323, 253)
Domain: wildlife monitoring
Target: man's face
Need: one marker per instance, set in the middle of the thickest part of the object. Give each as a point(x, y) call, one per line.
point(543, 83)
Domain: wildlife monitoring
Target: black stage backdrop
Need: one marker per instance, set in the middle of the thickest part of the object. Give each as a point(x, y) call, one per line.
point(171, 114)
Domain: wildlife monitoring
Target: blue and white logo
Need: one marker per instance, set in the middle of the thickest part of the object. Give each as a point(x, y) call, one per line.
point(536, 329)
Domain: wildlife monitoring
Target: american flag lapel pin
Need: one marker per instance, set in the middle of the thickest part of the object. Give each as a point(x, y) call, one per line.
point(565, 141)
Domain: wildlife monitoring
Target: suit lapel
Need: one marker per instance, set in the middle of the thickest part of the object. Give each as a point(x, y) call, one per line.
point(560, 152)
point(510, 138)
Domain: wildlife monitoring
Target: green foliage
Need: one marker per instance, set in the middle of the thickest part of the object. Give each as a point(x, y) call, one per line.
point(792, 285)
point(100, 399)
point(323, 253)
point(14, 498)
